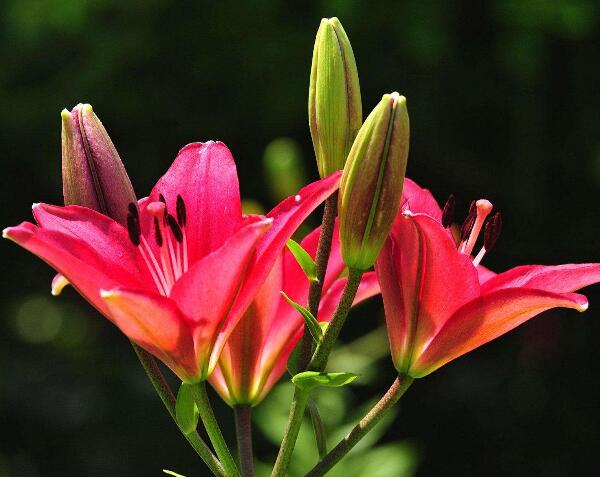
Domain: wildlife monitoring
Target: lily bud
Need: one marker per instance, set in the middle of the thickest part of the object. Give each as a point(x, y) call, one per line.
point(371, 186)
point(93, 174)
point(334, 105)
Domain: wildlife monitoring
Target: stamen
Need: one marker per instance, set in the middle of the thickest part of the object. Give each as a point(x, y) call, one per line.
point(467, 225)
point(492, 231)
point(181, 212)
point(448, 213)
point(133, 228)
point(174, 226)
point(133, 210)
point(157, 233)
point(484, 207)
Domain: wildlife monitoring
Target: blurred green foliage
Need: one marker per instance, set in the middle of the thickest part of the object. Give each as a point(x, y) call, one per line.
point(503, 98)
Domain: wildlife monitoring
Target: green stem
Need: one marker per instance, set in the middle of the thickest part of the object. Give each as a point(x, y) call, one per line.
point(163, 390)
point(212, 429)
point(291, 433)
point(243, 431)
point(318, 363)
point(391, 397)
point(316, 287)
point(319, 360)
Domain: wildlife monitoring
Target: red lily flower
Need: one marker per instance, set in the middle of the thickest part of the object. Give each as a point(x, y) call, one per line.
point(440, 303)
point(180, 276)
point(256, 354)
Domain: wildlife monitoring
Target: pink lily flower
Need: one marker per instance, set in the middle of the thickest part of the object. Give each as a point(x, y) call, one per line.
point(440, 303)
point(180, 276)
point(256, 354)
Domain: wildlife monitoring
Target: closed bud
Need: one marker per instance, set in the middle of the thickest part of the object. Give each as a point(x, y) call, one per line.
point(334, 105)
point(371, 186)
point(93, 174)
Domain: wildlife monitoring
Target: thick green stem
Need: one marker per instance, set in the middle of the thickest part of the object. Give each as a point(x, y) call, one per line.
point(243, 430)
point(391, 397)
point(318, 363)
point(213, 430)
point(163, 390)
point(316, 287)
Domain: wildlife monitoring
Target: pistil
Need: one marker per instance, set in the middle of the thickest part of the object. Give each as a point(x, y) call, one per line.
point(483, 208)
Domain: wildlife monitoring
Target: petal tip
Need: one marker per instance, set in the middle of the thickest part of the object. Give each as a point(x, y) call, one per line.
point(5, 233)
point(583, 306)
point(58, 284)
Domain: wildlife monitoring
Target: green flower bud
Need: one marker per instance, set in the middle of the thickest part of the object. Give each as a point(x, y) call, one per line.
point(93, 174)
point(334, 106)
point(372, 181)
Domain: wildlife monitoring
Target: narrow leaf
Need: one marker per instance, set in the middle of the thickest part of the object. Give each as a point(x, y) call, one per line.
point(304, 259)
point(311, 379)
point(186, 410)
point(318, 427)
point(174, 474)
point(311, 322)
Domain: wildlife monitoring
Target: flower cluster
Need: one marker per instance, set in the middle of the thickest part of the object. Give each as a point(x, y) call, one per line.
point(218, 297)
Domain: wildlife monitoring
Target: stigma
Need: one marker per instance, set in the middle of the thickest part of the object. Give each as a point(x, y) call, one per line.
point(477, 219)
point(168, 261)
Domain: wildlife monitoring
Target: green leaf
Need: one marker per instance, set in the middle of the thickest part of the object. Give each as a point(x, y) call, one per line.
point(304, 259)
point(311, 322)
point(318, 427)
point(174, 474)
point(186, 410)
point(311, 379)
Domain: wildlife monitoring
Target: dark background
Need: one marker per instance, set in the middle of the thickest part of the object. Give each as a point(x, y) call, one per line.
point(503, 97)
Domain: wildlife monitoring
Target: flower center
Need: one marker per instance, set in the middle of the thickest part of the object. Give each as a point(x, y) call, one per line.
point(171, 261)
point(477, 219)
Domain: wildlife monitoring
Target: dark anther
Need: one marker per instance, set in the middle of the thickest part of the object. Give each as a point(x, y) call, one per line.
point(175, 228)
point(493, 227)
point(133, 228)
point(448, 213)
point(164, 201)
point(157, 233)
point(467, 225)
point(133, 210)
point(181, 214)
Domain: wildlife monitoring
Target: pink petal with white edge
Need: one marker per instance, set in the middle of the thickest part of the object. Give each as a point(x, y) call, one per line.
point(155, 323)
point(487, 318)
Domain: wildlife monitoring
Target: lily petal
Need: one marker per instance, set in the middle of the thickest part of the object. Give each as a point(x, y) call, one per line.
point(69, 257)
point(205, 176)
point(95, 239)
point(287, 217)
point(369, 287)
point(155, 323)
point(487, 318)
point(558, 279)
point(419, 200)
point(424, 280)
point(207, 292)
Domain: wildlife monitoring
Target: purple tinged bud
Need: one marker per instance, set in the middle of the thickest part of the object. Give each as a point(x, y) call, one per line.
point(372, 181)
point(93, 174)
